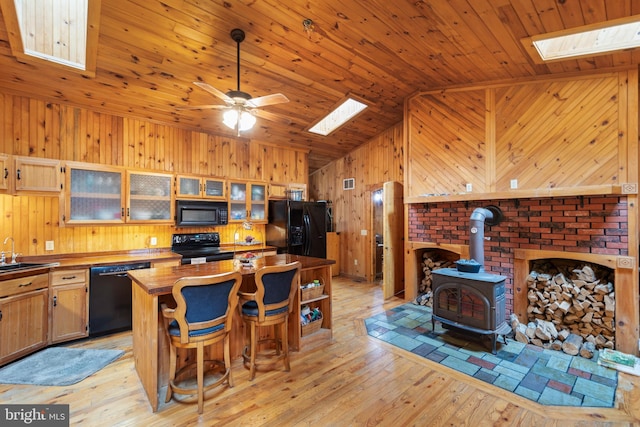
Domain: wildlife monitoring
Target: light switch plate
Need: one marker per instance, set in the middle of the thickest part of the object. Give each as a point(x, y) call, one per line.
point(514, 184)
point(153, 241)
point(469, 187)
point(48, 245)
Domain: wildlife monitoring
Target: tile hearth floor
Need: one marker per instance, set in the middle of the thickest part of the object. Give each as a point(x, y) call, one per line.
point(548, 377)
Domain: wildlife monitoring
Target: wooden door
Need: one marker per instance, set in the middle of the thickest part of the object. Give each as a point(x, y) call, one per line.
point(393, 238)
point(38, 175)
point(23, 324)
point(69, 312)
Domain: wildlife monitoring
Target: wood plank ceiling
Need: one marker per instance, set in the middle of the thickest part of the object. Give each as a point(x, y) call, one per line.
point(150, 52)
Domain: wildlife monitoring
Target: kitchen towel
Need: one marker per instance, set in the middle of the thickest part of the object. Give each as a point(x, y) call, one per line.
point(57, 366)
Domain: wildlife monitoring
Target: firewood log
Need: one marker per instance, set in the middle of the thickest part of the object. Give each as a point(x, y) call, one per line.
point(587, 350)
point(530, 330)
point(572, 344)
point(564, 306)
point(563, 334)
point(520, 334)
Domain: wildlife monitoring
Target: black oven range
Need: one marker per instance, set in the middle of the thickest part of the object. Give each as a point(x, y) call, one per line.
point(197, 248)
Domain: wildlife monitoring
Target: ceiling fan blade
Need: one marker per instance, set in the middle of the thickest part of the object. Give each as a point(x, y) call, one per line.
point(271, 116)
point(212, 90)
point(203, 107)
point(276, 98)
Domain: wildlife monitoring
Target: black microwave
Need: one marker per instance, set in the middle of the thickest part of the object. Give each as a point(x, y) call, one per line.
point(190, 213)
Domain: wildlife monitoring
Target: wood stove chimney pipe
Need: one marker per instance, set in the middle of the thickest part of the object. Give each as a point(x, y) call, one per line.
point(490, 215)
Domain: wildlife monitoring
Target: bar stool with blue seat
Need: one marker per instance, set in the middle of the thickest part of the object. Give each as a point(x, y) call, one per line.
point(270, 305)
point(205, 306)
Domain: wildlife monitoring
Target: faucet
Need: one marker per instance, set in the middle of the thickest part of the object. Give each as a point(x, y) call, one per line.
point(13, 250)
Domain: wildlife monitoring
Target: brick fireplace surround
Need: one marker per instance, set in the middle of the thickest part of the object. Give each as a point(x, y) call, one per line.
point(594, 226)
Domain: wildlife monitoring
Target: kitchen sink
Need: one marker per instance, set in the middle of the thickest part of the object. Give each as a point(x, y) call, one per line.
point(20, 266)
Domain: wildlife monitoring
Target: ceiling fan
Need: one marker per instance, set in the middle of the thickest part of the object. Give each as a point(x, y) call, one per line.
point(241, 108)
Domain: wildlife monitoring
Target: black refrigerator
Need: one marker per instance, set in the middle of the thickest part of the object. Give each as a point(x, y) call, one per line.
point(298, 228)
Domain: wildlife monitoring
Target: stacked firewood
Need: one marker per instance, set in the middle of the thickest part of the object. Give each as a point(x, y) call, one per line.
point(571, 310)
point(430, 262)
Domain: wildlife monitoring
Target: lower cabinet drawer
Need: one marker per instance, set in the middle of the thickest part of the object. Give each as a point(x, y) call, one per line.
point(66, 277)
point(23, 284)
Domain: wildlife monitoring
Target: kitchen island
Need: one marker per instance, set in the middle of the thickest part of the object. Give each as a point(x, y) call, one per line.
point(152, 287)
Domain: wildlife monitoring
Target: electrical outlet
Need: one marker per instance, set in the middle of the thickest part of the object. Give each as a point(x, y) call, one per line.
point(153, 241)
point(355, 262)
point(363, 232)
point(469, 187)
point(514, 184)
point(48, 245)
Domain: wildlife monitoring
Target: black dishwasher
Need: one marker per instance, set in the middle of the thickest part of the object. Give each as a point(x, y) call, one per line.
point(110, 298)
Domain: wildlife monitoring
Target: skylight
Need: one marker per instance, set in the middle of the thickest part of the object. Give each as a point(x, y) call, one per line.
point(338, 117)
point(62, 32)
point(590, 40)
point(57, 33)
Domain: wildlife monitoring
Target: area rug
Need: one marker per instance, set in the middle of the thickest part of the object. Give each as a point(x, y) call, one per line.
point(548, 377)
point(57, 366)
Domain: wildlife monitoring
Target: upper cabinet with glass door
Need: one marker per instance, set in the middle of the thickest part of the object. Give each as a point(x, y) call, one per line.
point(94, 194)
point(149, 197)
point(195, 187)
point(247, 201)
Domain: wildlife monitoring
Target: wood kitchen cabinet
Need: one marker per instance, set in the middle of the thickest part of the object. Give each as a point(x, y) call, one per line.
point(247, 201)
point(23, 316)
point(36, 174)
point(94, 194)
point(149, 197)
point(20, 174)
point(4, 174)
point(195, 187)
point(292, 191)
point(69, 302)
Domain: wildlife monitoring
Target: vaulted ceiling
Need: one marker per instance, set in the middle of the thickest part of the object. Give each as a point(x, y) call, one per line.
point(150, 52)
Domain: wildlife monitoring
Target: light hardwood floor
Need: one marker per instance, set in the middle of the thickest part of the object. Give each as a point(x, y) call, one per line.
point(354, 381)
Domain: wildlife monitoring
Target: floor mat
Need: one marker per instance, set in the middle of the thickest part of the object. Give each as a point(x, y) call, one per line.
point(548, 377)
point(57, 366)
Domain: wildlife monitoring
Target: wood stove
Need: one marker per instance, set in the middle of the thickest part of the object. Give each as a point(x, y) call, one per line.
point(475, 302)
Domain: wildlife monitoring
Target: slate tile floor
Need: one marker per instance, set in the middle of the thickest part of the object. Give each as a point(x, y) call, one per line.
point(545, 376)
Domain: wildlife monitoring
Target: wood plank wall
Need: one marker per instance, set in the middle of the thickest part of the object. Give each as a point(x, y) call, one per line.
point(378, 161)
point(551, 134)
point(30, 127)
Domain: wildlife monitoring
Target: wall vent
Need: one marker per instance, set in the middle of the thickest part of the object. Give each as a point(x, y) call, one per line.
point(349, 184)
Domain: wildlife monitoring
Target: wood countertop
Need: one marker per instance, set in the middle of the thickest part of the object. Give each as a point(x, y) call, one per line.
point(158, 281)
point(86, 260)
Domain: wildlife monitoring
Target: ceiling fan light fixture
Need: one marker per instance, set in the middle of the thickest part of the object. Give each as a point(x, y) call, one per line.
point(242, 121)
